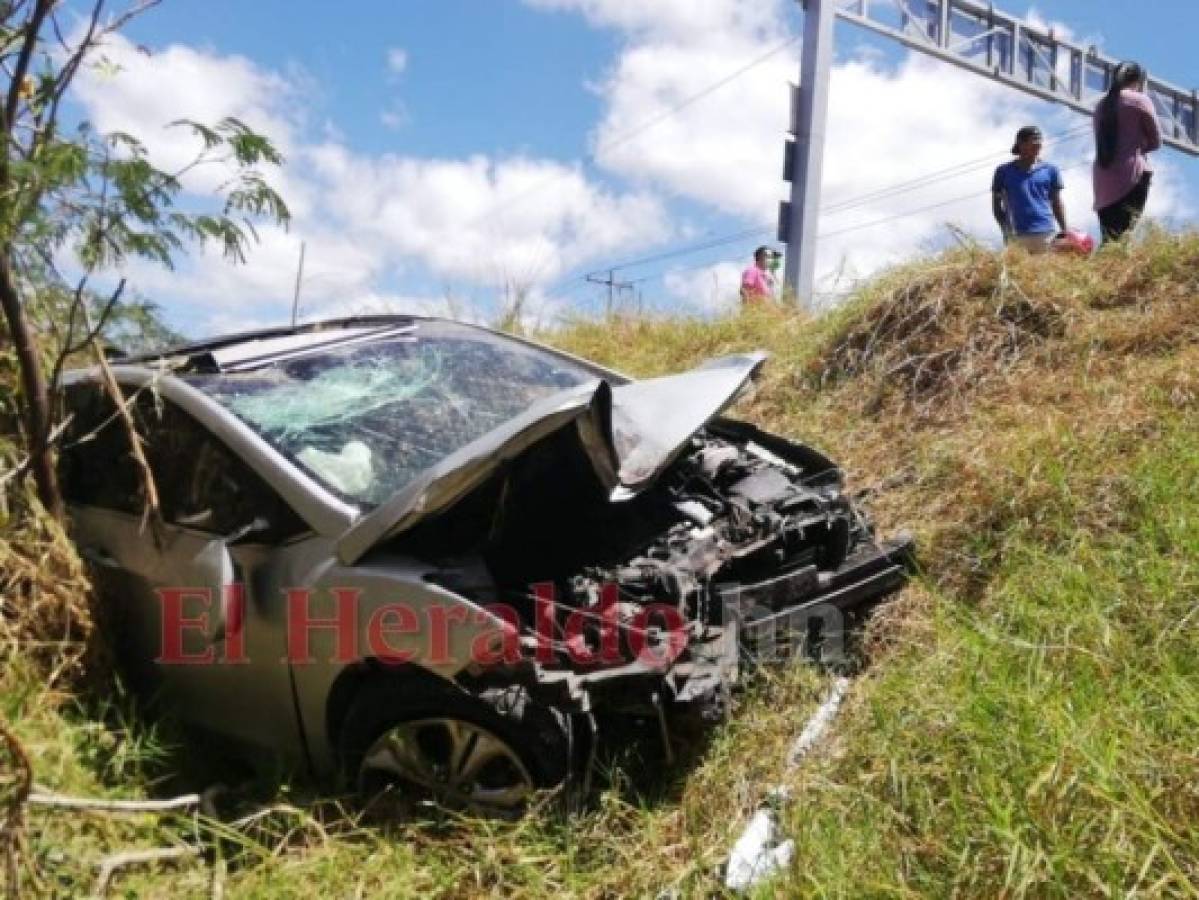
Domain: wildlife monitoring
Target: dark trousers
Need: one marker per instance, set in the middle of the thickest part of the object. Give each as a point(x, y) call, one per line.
point(1115, 220)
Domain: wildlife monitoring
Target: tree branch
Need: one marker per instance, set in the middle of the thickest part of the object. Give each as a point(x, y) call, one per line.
point(33, 28)
point(12, 832)
point(152, 510)
point(110, 864)
point(67, 74)
point(67, 345)
point(101, 804)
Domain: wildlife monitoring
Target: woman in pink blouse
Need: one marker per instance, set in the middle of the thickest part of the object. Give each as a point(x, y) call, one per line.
point(1125, 130)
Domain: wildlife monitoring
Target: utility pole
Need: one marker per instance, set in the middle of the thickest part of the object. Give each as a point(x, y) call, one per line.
point(612, 285)
point(811, 115)
point(295, 300)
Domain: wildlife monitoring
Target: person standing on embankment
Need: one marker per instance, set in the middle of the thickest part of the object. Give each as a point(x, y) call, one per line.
point(1126, 130)
point(1026, 195)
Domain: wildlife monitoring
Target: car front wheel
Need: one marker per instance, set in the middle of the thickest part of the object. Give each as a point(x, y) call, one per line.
point(405, 745)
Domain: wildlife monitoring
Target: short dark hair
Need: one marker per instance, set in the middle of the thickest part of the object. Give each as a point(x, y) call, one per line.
point(1028, 132)
point(761, 251)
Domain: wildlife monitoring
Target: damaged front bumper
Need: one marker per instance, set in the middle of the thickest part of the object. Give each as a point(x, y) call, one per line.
point(798, 614)
point(865, 578)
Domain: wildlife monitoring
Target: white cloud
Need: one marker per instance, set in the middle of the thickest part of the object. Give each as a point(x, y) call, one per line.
point(711, 289)
point(461, 218)
point(127, 89)
point(677, 20)
point(397, 60)
point(725, 150)
point(366, 220)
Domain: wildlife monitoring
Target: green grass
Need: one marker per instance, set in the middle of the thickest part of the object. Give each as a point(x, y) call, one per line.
point(1042, 742)
point(624, 846)
point(1028, 722)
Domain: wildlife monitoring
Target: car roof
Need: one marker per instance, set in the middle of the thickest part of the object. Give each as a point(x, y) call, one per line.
point(231, 352)
point(329, 327)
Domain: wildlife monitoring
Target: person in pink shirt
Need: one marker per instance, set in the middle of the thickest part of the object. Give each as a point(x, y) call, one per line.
point(757, 283)
point(1125, 130)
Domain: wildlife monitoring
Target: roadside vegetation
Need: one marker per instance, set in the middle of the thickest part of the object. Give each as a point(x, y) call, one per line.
point(1026, 718)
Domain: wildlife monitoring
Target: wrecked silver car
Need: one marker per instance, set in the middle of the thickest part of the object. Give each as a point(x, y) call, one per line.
point(431, 557)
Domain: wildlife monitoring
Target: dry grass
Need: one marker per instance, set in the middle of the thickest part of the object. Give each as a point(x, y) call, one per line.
point(1024, 726)
point(46, 613)
point(46, 601)
point(940, 336)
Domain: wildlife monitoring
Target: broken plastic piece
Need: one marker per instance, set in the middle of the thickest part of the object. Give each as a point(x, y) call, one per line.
point(757, 853)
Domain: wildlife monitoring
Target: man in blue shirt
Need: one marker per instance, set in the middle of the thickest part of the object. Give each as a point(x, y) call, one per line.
point(1026, 195)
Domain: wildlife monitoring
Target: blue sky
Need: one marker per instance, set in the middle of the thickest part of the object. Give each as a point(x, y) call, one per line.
point(444, 156)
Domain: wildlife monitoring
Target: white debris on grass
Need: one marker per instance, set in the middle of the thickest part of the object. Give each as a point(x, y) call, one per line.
point(759, 853)
point(819, 723)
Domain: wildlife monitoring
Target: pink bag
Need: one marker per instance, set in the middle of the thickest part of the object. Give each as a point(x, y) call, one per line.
point(1074, 242)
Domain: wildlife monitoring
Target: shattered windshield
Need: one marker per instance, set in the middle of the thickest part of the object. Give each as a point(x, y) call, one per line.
point(365, 419)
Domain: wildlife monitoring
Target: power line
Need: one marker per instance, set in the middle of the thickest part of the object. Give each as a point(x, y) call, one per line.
point(861, 226)
point(843, 206)
point(622, 139)
point(694, 98)
point(719, 241)
point(973, 195)
point(951, 172)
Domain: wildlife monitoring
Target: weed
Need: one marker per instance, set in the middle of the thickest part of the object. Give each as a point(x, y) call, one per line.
point(1028, 718)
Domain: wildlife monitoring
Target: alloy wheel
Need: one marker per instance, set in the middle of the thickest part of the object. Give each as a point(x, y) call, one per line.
point(453, 762)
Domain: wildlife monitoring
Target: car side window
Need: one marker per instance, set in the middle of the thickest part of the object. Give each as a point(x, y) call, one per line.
point(94, 463)
point(201, 483)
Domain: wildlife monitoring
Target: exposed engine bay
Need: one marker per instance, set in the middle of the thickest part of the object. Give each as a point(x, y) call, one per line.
point(745, 533)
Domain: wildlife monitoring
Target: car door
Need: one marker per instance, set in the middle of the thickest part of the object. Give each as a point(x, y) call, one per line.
point(193, 601)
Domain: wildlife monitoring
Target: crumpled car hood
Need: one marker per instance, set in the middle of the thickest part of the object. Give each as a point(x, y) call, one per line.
point(628, 433)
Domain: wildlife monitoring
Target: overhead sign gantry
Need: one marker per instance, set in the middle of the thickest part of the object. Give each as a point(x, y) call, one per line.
point(972, 35)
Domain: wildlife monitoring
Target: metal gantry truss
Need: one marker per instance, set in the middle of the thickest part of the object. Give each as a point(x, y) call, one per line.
point(974, 36)
point(1009, 50)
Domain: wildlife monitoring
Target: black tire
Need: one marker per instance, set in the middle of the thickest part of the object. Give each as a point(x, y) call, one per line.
point(536, 736)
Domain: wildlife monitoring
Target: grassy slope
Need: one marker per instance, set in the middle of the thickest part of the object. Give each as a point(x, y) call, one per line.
point(1029, 719)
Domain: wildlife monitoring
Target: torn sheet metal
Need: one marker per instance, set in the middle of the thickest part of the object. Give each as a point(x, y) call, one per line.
point(629, 433)
point(586, 409)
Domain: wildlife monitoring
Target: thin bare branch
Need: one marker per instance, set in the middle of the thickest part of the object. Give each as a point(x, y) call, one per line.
point(103, 804)
point(110, 864)
point(130, 400)
point(131, 13)
point(67, 72)
point(62, 41)
point(152, 512)
point(68, 346)
point(19, 469)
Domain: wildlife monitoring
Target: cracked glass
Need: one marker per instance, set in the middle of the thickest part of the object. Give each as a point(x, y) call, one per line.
point(366, 418)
